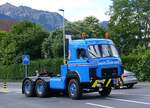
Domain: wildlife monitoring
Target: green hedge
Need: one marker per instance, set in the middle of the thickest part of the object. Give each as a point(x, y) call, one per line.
point(139, 64)
point(16, 71)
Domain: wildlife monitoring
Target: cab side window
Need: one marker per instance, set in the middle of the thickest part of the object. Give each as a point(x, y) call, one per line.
point(81, 53)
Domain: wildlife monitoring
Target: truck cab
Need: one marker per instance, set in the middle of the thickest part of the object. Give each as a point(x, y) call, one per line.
point(91, 66)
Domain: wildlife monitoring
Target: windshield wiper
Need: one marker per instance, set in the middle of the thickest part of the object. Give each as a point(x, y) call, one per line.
point(92, 54)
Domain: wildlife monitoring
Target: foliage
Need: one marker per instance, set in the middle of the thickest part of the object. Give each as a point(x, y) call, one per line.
point(2, 35)
point(129, 24)
point(138, 61)
point(90, 26)
point(16, 71)
point(52, 46)
point(7, 49)
point(25, 37)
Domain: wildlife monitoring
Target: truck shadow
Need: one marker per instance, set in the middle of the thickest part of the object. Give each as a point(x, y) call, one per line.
point(92, 97)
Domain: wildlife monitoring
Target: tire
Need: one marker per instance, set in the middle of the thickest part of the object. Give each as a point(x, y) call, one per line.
point(74, 89)
point(105, 92)
point(130, 86)
point(41, 88)
point(28, 88)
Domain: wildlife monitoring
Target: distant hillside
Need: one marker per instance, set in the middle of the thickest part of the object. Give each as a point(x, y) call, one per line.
point(4, 17)
point(104, 24)
point(49, 20)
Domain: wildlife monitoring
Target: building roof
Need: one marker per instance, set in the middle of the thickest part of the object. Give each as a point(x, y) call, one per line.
point(6, 25)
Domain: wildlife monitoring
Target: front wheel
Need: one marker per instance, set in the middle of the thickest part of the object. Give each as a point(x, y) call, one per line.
point(105, 91)
point(41, 88)
point(74, 89)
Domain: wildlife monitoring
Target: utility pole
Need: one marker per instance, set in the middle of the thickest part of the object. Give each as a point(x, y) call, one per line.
point(63, 36)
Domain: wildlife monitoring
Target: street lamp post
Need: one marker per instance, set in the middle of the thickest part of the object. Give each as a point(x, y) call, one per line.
point(63, 36)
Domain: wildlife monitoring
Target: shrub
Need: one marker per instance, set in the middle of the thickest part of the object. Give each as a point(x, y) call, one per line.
point(139, 63)
point(17, 71)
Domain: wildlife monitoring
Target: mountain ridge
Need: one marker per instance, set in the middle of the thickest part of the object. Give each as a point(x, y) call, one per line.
point(48, 20)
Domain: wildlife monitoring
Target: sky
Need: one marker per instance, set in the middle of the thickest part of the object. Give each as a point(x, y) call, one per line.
point(73, 9)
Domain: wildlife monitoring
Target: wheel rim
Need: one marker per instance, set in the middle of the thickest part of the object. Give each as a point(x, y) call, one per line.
point(40, 88)
point(27, 87)
point(73, 89)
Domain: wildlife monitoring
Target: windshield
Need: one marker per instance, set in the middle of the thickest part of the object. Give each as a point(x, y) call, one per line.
point(100, 50)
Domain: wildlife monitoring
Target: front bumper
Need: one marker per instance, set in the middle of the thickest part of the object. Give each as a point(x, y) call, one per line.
point(100, 83)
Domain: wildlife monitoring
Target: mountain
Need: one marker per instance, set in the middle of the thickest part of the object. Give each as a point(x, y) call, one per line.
point(104, 24)
point(4, 17)
point(48, 20)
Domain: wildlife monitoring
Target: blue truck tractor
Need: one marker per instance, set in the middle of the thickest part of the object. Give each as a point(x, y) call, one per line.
point(90, 65)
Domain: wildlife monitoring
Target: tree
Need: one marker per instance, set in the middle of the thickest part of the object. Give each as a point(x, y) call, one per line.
point(2, 34)
point(6, 47)
point(129, 25)
point(29, 38)
point(90, 26)
point(25, 37)
point(53, 45)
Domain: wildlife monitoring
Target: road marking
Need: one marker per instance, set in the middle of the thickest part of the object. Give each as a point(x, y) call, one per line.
point(139, 95)
point(98, 105)
point(144, 95)
point(130, 101)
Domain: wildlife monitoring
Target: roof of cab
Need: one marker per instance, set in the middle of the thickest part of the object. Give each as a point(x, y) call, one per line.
point(90, 41)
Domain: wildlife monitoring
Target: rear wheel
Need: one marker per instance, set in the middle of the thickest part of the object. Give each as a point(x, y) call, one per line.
point(74, 89)
point(105, 91)
point(41, 88)
point(28, 88)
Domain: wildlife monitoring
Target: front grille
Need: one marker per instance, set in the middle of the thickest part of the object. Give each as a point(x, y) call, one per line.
point(109, 72)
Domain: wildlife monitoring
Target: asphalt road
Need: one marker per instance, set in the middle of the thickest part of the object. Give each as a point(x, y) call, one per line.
point(138, 97)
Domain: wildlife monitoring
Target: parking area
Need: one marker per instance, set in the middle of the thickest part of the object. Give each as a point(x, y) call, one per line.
point(138, 97)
